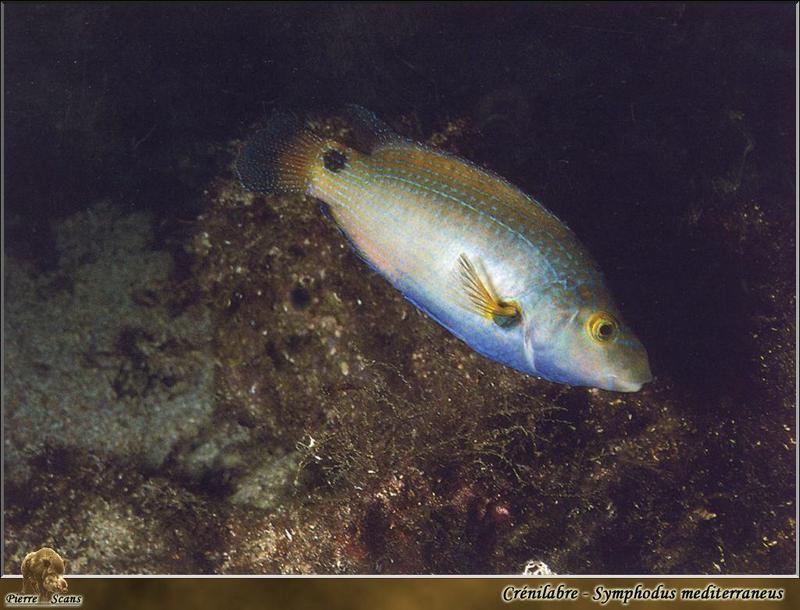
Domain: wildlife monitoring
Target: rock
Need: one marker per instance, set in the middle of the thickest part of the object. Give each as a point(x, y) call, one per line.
point(97, 359)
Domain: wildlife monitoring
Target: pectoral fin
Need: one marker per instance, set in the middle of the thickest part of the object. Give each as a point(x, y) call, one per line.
point(480, 298)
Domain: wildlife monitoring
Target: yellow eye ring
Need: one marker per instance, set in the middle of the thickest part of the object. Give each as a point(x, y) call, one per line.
point(602, 326)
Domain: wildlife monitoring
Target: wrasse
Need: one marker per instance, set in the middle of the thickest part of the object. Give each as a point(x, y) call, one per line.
point(479, 256)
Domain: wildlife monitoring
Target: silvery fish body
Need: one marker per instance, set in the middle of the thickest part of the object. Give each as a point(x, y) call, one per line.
point(482, 258)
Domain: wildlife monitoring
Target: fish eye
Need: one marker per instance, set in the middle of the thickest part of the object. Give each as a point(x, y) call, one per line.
point(602, 326)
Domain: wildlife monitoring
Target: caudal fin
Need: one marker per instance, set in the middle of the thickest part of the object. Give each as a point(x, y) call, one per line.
point(278, 158)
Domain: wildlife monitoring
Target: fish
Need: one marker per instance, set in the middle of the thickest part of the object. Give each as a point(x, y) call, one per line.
point(472, 251)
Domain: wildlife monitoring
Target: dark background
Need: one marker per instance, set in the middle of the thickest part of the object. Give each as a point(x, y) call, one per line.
point(663, 135)
point(593, 108)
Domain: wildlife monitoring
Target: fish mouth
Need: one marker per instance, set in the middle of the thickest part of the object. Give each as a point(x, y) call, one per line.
point(624, 385)
point(629, 384)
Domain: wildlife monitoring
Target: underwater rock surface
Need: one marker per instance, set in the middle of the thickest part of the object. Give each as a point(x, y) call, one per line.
point(343, 431)
point(110, 365)
point(235, 392)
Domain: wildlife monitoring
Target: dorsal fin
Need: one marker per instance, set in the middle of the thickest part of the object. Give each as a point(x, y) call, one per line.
point(369, 132)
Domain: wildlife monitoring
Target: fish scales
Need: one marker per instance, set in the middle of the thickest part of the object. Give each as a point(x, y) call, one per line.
point(481, 257)
point(391, 214)
point(433, 198)
point(490, 193)
point(382, 214)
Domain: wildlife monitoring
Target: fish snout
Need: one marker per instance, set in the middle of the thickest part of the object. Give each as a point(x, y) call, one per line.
point(633, 379)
